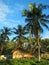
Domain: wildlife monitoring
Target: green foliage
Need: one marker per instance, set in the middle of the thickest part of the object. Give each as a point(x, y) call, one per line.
point(8, 47)
point(24, 62)
point(45, 44)
point(10, 44)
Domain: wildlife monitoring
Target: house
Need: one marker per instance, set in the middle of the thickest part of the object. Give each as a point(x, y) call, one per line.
point(21, 54)
point(17, 54)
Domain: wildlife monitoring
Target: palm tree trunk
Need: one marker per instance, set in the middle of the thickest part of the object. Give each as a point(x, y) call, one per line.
point(30, 33)
point(39, 50)
point(1, 50)
point(30, 40)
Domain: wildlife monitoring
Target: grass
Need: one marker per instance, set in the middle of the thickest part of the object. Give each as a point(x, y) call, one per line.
point(34, 61)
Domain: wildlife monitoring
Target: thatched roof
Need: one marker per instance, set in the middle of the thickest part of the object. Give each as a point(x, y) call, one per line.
point(21, 54)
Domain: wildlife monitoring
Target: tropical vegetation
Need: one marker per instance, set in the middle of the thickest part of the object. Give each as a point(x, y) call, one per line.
point(27, 37)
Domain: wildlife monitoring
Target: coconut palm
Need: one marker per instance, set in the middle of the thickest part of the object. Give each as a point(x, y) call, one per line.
point(19, 32)
point(1, 43)
point(6, 32)
point(4, 36)
point(36, 20)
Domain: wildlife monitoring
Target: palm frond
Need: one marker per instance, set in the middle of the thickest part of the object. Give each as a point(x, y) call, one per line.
point(14, 39)
point(45, 16)
point(41, 6)
point(45, 20)
point(45, 25)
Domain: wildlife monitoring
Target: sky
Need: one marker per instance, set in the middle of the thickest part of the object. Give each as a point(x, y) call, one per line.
point(11, 13)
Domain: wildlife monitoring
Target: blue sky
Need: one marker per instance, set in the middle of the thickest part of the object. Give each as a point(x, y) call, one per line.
point(11, 13)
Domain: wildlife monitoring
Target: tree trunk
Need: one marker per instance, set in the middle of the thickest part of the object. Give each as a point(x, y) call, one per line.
point(39, 50)
point(1, 50)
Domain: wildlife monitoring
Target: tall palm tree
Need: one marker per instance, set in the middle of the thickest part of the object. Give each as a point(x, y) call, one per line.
point(19, 32)
point(36, 20)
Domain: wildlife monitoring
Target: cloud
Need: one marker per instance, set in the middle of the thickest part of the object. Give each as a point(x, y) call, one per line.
point(9, 10)
point(14, 5)
point(4, 11)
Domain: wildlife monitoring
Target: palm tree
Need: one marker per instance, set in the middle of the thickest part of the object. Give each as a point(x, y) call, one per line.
point(19, 32)
point(4, 36)
point(6, 32)
point(1, 43)
point(36, 20)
